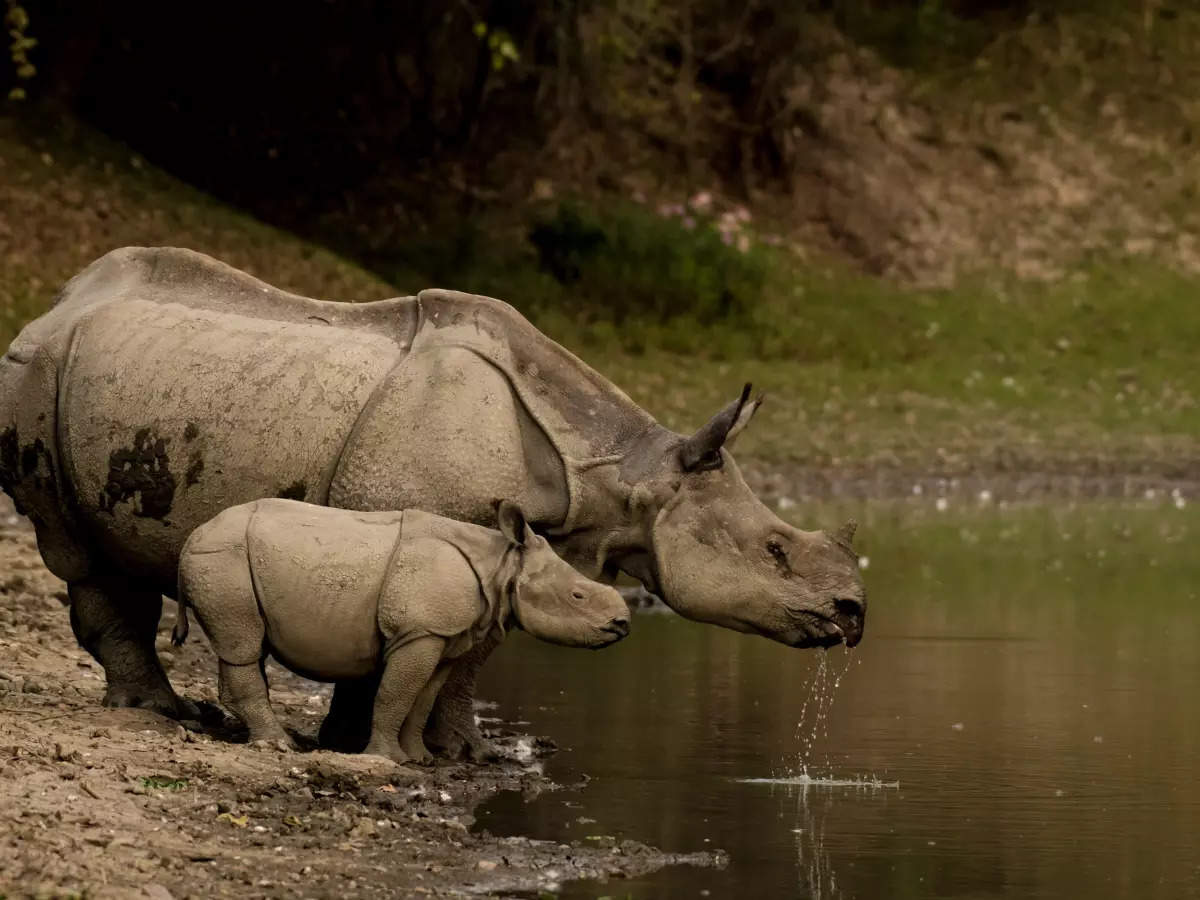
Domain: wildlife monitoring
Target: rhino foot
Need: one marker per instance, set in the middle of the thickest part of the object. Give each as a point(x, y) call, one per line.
point(483, 751)
point(347, 727)
point(165, 703)
point(342, 737)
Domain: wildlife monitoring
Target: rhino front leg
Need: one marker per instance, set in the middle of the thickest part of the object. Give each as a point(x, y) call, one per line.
point(115, 619)
point(412, 733)
point(408, 670)
point(452, 728)
point(347, 726)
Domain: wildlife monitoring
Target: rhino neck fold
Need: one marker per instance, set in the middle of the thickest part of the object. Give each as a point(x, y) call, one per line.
point(607, 517)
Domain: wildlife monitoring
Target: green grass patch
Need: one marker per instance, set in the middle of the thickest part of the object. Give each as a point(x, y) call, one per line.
point(1098, 366)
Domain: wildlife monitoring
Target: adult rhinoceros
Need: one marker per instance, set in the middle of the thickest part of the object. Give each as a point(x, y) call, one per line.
point(164, 386)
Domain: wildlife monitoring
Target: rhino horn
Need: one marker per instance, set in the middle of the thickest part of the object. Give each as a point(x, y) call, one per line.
point(845, 534)
point(721, 429)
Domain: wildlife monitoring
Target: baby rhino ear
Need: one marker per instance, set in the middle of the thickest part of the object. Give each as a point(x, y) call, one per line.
point(512, 523)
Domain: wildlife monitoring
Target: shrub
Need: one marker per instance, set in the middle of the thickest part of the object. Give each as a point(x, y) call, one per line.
point(626, 264)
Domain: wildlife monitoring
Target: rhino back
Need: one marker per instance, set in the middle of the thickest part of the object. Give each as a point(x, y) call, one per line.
point(317, 573)
point(170, 412)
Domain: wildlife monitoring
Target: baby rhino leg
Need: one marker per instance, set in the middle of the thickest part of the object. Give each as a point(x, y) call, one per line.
point(244, 692)
point(406, 673)
point(412, 733)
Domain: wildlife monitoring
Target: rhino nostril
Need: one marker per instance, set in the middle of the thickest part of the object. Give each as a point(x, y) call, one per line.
point(619, 626)
point(849, 607)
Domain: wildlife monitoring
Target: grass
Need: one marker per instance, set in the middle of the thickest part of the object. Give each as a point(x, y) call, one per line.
point(1095, 372)
point(1091, 373)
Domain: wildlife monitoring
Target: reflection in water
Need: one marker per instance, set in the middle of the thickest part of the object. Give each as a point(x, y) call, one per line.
point(1025, 696)
point(812, 861)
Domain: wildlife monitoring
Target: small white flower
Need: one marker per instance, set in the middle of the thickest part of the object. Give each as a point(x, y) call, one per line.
point(785, 503)
point(942, 504)
point(864, 562)
point(985, 496)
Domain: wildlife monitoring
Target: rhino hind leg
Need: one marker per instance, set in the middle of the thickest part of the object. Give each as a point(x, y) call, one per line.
point(115, 619)
point(243, 691)
point(452, 729)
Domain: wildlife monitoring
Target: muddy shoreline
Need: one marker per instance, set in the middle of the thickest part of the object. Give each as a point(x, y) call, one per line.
point(123, 803)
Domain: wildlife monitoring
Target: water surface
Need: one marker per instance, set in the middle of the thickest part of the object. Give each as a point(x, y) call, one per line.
point(1026, 693)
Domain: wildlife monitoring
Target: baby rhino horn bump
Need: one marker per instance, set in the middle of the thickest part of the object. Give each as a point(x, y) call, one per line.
point(845, 534)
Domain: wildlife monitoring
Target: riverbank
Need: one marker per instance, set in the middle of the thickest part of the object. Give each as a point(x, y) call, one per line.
point(121, 803)
point(1079, 386)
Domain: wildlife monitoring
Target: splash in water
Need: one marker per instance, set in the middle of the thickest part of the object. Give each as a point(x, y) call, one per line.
point(812, 728)
point(813, 724)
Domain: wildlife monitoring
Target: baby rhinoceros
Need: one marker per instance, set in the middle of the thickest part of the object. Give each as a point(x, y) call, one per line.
point(335, 595)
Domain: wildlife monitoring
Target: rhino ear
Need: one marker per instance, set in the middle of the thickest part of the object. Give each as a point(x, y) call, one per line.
point(845, 534)
point(512, 523)
point(743, 419)
point(702, 450)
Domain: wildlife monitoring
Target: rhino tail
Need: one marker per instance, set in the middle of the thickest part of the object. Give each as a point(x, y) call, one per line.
point(180, 632)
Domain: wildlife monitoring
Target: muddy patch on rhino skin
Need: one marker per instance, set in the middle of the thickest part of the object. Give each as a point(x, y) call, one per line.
point(140, 474)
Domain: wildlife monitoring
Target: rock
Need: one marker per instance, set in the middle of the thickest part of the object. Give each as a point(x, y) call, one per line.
point(29, 686)
point(365, 827)
point(157, 892)
point(486, 865)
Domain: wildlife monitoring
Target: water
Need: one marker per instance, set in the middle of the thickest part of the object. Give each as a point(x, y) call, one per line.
point(1021, 720)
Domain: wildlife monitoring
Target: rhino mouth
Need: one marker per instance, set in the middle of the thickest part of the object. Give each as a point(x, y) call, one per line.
point(813, 630)
point(609, 635)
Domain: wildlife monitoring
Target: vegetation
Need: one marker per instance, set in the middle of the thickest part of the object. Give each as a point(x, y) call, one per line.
point(986, 257)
